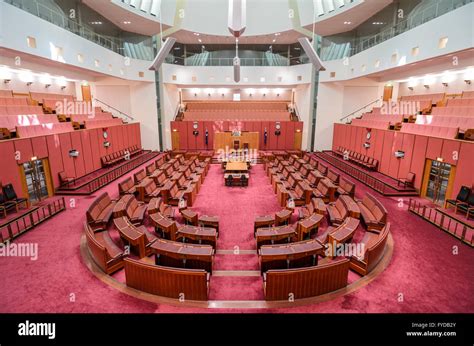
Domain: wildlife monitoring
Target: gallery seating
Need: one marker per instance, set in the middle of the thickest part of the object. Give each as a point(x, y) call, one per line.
point(119, 156)
point(462, 197)
point(466, 207)
point(452, 111)
point(373, 213)
point(10, 196)
point(430, 130)
point(177, 283)
point(64, 179)
point(357, 158)
point(127, 186)
point(6, 205)
point(139, 176)
point(100, 211)
point(409, 181)
point(373, 251)
point(131, 208)
point(281, 284)
point(43, 129)
point(333, 176)
point(105, 253)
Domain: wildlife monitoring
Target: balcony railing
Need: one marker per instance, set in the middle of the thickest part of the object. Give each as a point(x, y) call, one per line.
point(334, 51)
point(44, 11)
point(229, 61)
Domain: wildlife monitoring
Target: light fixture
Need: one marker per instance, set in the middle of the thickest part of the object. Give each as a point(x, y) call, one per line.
point(426, 86)
point(199, 40)
point(126, 22)
point(439, 159)
point(6, 81)
point(47, 86)
point(347, 23)
point(196, 33)
point(34, 158)
point(96, 23)
point(467, 81)
point(410, 88)
point(63, 87)
point(277, 34)
point(29, 83)
point(445, 84)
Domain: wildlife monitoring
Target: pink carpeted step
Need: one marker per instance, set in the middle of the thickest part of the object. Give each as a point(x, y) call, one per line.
point(236, 288)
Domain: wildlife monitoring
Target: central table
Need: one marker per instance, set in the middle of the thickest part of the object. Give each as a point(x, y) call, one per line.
point(236, 172)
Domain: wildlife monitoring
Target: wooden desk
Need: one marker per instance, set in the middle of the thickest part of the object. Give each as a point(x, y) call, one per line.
point(236, 166)
point(162, 224)
point(352, 206)
point(199, 235)
point(283, 217)
point(292, 255)
point(181, 255)
point(274, 235)
point(209, 221)
point(190, 216)
point(263, 221)
point(306, 226)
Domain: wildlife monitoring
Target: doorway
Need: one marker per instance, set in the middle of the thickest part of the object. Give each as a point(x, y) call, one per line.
point(37, 180)
point(387, 92)
point(86, 93)
point(175, 140)
point(298, 140)
point(438, 180)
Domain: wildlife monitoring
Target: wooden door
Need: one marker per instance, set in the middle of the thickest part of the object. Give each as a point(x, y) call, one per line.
point(175, 140)
point(387, 92)
point(298, 140)
point(86, 93)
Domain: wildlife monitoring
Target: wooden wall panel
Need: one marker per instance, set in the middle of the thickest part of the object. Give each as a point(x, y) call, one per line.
point(434, 148)
point(464, 168)
point(66, 145)
point(40, 148)
point(290, 135)
point(76, 144)
point(10, 169)
point(386, 152)
point(397, 144)
point(87, 151)
point(450, 152)
point(407, 147)
point(55, 157)
point(23, 149)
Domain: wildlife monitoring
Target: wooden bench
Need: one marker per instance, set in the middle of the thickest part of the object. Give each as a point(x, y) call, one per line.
point(325, 190)
point(341, 234)
point(105, 253)
point(100, 212)
point(282, 284)
point(127, 186)
point(156, 205)
point(374, 246)
point(333, 176)
point(346, 187)
point(373, 213)
point(128, 206)
point(187, 284)
point(139, 176)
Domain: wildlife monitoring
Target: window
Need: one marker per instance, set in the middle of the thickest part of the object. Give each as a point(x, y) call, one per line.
point(31, 41)
point(443, 41)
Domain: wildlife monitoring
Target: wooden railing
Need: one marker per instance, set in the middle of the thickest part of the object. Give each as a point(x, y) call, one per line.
point(25, 222)
point(358, 174)
point(113, 174)
point(442, 220)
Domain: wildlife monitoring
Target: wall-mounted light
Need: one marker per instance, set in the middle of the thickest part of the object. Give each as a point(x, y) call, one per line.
point(34, 158)
point(63, 87)
point(29, 83)
point(445, 84)
point(439, 159)
point(410, 88)
point(6, 81)
point(47, 86)
point(467, 81)
point(426, 86)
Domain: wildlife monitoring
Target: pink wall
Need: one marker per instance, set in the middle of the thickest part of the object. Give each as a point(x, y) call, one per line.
point(285, 141)
point(56, 147)
point(417, 149)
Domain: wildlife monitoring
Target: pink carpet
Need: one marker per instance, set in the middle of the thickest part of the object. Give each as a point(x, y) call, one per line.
point(423, 268)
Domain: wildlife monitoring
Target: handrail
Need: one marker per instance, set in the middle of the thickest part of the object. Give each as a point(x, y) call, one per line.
point(361, 108)
point(177, 111)
point(295, 110)
point(115, 109)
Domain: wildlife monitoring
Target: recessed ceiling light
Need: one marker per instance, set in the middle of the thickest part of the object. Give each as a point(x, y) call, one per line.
point(377, 23)
point(347, 23)
point(274, 40)
point(96, 23)
point(277, 34)
point(199, 40)
point(176, 48)
point(127, 22)
point(196, 33)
